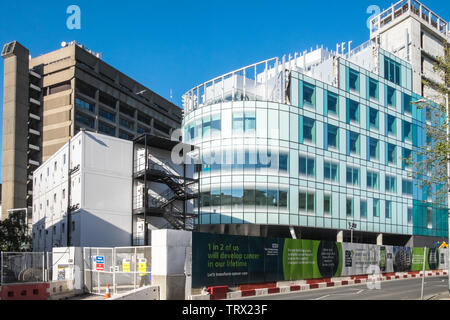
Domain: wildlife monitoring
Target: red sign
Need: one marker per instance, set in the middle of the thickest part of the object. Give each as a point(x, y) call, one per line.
point(100, 266)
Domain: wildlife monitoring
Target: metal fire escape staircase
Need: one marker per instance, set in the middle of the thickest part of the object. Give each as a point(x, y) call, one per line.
point(165, 204)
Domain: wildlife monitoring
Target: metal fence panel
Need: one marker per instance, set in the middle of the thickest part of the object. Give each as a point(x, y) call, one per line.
point(125, 269)
point(20, 267)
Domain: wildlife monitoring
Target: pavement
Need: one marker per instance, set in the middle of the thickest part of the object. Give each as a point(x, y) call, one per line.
point(440, 296)
point(435, 288)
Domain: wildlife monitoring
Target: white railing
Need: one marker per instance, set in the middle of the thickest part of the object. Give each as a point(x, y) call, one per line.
point(414, 7)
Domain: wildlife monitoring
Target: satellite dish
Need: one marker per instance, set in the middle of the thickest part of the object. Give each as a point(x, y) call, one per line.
point(63, 44)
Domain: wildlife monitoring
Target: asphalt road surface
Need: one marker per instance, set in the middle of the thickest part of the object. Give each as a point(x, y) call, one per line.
point(407, 289)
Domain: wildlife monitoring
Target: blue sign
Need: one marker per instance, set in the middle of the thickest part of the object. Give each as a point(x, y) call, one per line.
point(99, 259)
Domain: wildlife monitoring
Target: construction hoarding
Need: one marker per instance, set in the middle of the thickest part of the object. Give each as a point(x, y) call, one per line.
point(230, 260)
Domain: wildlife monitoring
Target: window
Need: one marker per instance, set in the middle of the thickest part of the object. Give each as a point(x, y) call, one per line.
point(144, 118)
point(407, 155)
point(407, 107)
point(363, 209)
point(373, 180)
point(107, 115)
point(374, 150)
point(354, 143)
point(244, 121)
point(333, 136)
point(126, 136)
point(84, 105)
point(388, 209)
point(215, 124)
point(391, 185)
point(272, 198)
point(353, 110)
point(407, 187)
point(353, 80)
point(73, 225)
point(373, 118)
point(410, 215)
point(332, 103)
point(307, 202)
point(349, 207)
point(391, 97)
point(353, 176)
point(141, 130)
point(309, 95)
point(237, 197)
point(331, 171)
point(54, 198)
point(309, 129)
point(87, 121)
point(407, 130)
point(162, 127)
point(249, 121)
point(104, 128)
point(327, 204)
point(429, 218)
point(376, 207)
point(391, 125)
point(391, 154)
point(126, 123)
point(392, 71)
point(307, 166)
point(249, 197)
point(283, 162)
point(64, 193)
point(373, 89)
point(283, 199)
point(261, 197)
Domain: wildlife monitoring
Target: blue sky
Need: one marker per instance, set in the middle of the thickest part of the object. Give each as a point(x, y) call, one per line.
point(178, 44)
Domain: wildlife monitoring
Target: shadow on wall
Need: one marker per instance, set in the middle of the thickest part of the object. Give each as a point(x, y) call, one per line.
point(96, 140)
point(86, 229)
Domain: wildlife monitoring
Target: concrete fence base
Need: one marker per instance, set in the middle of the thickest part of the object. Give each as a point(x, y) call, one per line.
point(145, 293)
point(302, 285)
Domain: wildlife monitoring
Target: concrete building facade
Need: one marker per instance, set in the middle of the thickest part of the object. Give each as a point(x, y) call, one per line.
point(416, 34)
point(48, 99)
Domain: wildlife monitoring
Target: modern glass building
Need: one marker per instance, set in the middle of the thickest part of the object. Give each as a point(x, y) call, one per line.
point(304, 145)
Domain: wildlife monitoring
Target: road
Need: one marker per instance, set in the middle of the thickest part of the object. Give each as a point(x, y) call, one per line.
point(408, 289)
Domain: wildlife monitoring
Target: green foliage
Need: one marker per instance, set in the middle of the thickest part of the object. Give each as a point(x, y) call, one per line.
point(14, 235)
point(429, 168)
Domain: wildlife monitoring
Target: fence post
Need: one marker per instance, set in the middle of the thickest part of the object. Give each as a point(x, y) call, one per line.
point(43, 267)
point(1, 269)
point(114, 269)
point(135, 264)
point(98, 276)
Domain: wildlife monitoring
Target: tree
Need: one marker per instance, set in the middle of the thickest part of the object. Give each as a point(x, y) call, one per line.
point(14, 235)
point(429, 167)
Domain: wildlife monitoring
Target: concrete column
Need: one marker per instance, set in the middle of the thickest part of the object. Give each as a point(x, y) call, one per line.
point(380, 239)
point(15, 127)
point(340, 236)
point(172, 263)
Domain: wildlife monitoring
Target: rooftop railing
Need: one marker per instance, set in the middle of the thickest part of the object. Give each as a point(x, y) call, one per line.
point(260, 81)
point(415, 7)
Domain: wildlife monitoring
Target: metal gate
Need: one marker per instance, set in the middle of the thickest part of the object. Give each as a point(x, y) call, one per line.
point(123, 268)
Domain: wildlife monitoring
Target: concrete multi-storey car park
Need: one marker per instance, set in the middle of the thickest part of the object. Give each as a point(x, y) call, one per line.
point(336, 127)
point(50, 97)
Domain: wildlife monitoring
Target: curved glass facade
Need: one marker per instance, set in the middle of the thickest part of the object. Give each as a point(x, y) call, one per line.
point(329, 155)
